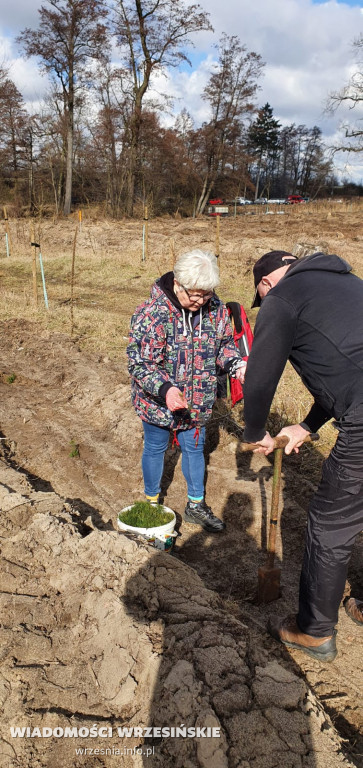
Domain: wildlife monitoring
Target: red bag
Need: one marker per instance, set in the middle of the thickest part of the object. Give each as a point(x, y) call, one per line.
point(243, 337)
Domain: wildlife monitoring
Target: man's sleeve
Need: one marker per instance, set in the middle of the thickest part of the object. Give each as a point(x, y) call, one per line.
point(272, 344)
point(315, 418)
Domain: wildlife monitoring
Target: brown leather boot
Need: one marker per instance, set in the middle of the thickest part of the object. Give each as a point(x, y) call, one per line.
point(287, 632)
point(354, 609)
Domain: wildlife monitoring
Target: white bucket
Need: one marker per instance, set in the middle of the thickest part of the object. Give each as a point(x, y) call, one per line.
point(161, 536)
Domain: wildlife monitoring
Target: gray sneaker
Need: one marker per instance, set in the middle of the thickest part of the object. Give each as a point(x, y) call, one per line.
point(198, 513)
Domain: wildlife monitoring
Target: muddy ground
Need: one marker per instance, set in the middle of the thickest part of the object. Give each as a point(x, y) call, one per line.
point(101, 629)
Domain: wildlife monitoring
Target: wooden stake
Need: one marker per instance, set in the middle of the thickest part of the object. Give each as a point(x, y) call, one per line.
point(34, 262)
point(146, 245)
point(218, 229)
point(72, 278)
point(172, 253)
point(80, 220)
point(9, 246)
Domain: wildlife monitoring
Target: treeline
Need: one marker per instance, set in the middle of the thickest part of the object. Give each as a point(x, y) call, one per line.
point(101, 136)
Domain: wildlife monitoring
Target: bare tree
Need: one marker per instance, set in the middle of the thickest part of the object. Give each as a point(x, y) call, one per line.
point(109, 131)
point(351, 95)
point(14, 122)
point(303, 165)
point(152, 34)
point(70, 34)
point(230, 93)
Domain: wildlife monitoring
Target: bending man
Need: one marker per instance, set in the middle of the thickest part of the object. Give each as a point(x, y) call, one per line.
point(312, 315)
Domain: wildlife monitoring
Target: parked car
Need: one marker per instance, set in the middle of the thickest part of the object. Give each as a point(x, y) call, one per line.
point(261, 201)
point(242, 201)
point(216, 201)
point(277, 201)
point(295, 199)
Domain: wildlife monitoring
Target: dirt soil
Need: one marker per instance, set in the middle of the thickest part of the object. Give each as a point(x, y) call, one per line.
point(98, 628)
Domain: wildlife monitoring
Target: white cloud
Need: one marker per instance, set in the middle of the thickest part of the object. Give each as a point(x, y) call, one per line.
point(185, 89)
point(308, 52)
point(31, 82)
point(15, 15)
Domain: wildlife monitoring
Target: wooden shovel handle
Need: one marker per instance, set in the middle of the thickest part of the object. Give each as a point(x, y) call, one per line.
point(279, 442)
point(276, 482)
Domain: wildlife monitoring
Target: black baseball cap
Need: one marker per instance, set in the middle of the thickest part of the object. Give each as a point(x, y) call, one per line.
point(266, 264)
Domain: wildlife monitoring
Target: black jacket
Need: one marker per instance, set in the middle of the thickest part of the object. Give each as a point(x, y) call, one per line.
point(314, 318)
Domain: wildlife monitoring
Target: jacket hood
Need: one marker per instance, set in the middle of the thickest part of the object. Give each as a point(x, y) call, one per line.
point(166, 284)
point(321, 262)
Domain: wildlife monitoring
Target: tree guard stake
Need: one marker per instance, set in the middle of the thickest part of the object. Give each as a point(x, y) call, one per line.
point(218, 223)
point(7, 233)
point(34, 247)
point(43, 280)
point(7, 244)
point(72, 277)
point(145, 235)
point(172, 253)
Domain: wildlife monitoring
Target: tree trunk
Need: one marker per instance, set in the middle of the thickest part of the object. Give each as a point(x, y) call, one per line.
point(202, 202)
point(54, 186)
point(258, 178)
point(133, 156)
point(202, 196)
point(69, 166)
point(69, 109)
point(31, 174)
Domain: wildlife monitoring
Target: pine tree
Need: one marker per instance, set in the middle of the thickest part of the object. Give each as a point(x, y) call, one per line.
point(264, 139)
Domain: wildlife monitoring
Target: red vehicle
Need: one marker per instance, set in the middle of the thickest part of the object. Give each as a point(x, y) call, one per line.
point(216, 201)
point(295, 199)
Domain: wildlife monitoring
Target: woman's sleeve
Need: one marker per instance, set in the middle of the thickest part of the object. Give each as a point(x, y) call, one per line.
point(228, 354)
point(146, 350)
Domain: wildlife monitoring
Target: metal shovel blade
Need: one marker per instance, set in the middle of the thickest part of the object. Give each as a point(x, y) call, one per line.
point(268, 587)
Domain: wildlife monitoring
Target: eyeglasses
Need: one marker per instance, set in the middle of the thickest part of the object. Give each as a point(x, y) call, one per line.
point(198, 296)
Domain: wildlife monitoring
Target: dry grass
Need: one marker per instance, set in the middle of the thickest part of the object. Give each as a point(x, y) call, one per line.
point(111, 279)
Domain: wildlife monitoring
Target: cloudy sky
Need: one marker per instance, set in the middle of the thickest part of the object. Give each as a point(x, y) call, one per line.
point(306, 45)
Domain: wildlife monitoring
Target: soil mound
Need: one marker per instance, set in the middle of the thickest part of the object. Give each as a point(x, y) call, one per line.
point(101, 631)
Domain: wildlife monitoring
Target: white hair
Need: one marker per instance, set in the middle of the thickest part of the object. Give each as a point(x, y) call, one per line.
point(197, 269)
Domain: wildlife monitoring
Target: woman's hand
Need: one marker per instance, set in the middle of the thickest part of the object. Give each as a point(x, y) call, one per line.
point(241, 373)
point(175, 399)
point(266, 445)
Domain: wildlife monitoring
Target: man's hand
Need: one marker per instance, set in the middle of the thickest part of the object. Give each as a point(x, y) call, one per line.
point(175, 399)
point(266, 445)
point(296, 435)
point(241, 373)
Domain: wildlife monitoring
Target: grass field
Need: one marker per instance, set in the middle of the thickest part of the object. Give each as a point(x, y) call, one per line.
point(111, 278)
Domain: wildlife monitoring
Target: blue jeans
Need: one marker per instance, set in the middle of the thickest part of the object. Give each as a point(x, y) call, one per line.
point(156, 441)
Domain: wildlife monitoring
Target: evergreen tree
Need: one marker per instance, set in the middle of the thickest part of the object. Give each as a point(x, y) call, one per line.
point(264, 139)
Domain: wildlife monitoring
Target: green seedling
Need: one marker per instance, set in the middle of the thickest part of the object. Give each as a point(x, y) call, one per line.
point(74, 449)
point(10, 379)
point(142, 514)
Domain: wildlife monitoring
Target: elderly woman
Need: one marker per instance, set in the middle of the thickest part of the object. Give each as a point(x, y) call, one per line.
point(177, 338)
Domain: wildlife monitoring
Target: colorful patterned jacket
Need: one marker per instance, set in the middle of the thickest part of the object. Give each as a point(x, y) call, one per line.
point(172, 346)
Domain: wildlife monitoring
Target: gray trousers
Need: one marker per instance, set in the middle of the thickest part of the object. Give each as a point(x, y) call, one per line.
point(335, 519)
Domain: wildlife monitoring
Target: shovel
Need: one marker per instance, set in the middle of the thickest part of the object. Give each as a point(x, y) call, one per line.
point(268, 588)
